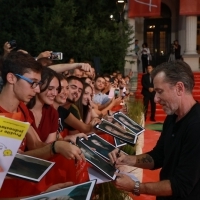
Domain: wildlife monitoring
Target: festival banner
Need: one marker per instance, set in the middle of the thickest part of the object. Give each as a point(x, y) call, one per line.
point(189, 7)
point(144, 8)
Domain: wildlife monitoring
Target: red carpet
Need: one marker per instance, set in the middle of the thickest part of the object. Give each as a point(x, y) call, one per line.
point(150, 139)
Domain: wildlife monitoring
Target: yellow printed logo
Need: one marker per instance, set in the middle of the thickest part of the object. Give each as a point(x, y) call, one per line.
point(7, 152)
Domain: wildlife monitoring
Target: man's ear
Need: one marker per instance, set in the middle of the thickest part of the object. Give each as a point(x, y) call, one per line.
point(11, 78)
point(180, 88)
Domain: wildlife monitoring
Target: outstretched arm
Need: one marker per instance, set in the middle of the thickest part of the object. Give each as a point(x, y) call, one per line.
point(59, 68)
point(144, 161)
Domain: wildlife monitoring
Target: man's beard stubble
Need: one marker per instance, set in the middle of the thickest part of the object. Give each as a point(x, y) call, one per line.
point(71, 100)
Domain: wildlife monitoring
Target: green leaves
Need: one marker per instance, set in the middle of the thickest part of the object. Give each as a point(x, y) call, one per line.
point(81, 29)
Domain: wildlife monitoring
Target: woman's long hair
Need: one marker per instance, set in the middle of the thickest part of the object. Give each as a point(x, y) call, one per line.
point(46, 77)
point(82, 108)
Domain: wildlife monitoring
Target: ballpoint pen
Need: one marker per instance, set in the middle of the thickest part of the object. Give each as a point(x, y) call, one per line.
point(118, 154)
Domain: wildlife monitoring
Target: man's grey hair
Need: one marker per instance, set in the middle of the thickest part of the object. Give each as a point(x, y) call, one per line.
point(176, 71)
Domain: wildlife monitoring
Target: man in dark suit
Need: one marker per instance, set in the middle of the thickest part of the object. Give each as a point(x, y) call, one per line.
point(148, 93)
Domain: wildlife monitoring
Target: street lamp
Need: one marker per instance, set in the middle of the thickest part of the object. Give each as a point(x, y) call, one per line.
point(121, 4)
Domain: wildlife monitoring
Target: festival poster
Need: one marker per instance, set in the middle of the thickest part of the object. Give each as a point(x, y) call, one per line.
point(12, 132)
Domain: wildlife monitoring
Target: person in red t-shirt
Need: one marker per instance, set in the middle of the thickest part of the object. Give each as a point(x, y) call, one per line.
point(21, 75)
point(45, 117)
point(80, 168)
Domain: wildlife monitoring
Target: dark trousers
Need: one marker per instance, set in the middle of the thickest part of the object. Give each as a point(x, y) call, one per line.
point(144, 62)
point(146, 100)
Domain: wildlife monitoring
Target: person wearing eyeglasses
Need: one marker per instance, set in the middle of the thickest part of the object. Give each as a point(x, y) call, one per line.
point(21, 75)
point(46, 124)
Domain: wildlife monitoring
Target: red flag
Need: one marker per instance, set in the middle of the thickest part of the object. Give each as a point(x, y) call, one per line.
point(144, 8)
point(189, 7)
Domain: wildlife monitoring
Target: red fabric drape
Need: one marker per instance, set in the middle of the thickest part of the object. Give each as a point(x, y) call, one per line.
point(144, 8)
point(189, 7)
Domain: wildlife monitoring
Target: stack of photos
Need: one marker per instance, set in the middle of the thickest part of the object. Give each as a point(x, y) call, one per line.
point(30, 168)
point(97, 161)
point(99, 145)
point(81, 191)
point(117, 132)
point(128, 123)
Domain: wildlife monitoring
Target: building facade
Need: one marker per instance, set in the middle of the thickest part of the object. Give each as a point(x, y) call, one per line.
point(165, 21)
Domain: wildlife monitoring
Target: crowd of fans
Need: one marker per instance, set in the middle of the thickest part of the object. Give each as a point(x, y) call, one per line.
point(61, 102)
point(65, 101)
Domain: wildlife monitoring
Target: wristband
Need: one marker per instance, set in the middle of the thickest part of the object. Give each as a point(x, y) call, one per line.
point(53, 147)
point(136, 189)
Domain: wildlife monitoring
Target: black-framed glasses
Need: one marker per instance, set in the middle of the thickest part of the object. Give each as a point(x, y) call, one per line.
point(31, 82)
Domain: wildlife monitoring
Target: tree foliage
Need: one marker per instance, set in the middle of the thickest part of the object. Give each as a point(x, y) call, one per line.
point(81, 29)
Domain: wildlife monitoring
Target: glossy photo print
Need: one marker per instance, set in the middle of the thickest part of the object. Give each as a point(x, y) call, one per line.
point(97, 161)
point(30, 168)
point(128, 123)
point(76, 192)
point(99, 145)
point(117, 132)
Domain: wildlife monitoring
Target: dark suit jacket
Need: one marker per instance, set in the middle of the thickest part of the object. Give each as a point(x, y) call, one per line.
point(146, 85)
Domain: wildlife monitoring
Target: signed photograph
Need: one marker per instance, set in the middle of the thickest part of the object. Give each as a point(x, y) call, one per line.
point(28, 167)
point(76, 192)
point(128, 123)
point(117, 132)
point(97, 161)
point(99, 145)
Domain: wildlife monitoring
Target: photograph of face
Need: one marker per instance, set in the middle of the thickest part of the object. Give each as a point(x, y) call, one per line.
point(99, 145)
point(98, 162)
point(29, 167)
point(117, 132)
point(76, 192)
point(128, 123)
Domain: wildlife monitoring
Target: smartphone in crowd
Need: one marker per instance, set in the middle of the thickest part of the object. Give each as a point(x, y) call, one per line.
point(56, 56)
point(13, 44)
point(116, 93)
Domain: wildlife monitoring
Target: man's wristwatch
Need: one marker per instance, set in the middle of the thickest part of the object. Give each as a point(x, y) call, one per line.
point(136, 190)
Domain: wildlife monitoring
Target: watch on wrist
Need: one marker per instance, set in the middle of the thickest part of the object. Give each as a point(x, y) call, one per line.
point(136, 190)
